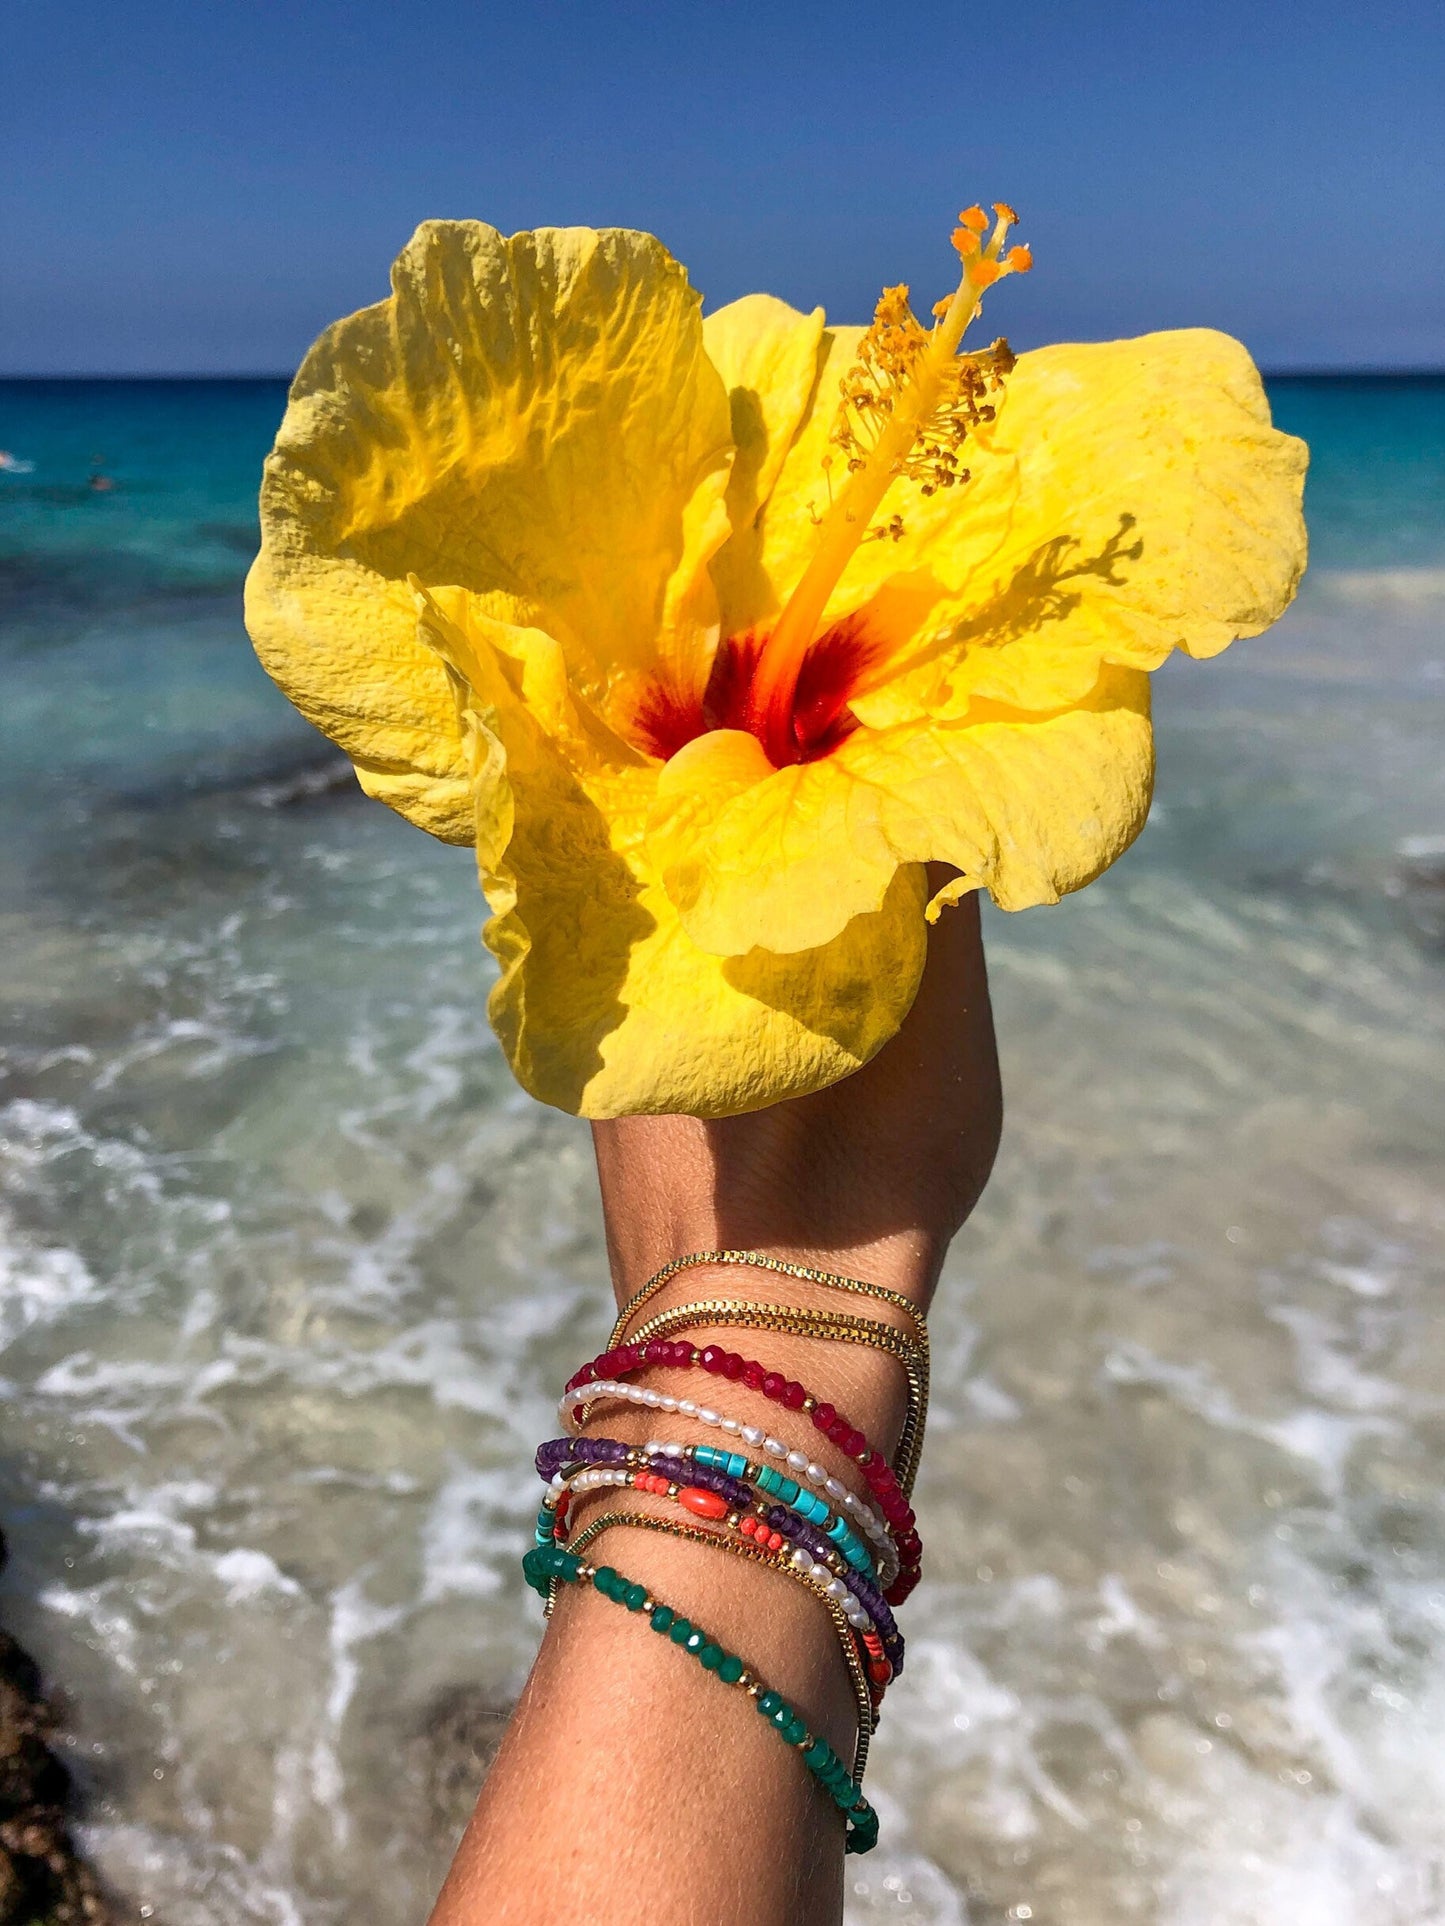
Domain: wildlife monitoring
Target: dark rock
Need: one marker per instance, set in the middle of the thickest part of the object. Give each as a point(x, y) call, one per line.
point(30, 1775)
point(43, 1881)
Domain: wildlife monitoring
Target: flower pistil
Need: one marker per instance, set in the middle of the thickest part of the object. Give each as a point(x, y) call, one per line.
point(907, 406)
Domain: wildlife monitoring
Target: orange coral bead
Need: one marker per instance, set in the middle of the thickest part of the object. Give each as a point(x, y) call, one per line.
point(706, 1504)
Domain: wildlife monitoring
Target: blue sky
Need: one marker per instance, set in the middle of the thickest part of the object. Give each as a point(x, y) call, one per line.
point(202, 188)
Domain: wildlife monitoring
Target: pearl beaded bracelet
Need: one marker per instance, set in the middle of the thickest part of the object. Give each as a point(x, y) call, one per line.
point(753, 1435)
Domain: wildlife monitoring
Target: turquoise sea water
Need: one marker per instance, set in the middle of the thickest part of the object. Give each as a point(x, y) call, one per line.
point(1180, 1659)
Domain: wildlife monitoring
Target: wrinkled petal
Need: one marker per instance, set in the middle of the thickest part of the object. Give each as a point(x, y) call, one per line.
point(605, 1006)
point(769, 357)
point(1156, 509)
point(1027, 805)
point(534, 420)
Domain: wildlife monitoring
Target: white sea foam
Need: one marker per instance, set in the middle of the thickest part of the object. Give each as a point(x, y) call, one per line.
point(1412, 586)
point(38, 1283)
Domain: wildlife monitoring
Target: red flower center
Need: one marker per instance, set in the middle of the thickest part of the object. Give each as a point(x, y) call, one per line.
point(820, 718)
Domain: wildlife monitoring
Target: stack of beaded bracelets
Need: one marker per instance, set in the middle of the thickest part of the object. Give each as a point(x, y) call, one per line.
point(859, 1554)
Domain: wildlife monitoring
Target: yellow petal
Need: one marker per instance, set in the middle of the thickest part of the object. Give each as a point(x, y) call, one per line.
point(533, 420)
point(769, 357)
point(751, 855)
point(1156, 509)
point(605, 1007)
point(1028, 805)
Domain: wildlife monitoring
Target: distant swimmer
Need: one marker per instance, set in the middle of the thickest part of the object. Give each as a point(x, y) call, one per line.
point(12, 464)
point(100, 483)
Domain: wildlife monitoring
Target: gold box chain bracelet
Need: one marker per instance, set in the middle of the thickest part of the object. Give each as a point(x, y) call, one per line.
point(837, 1326)
point(755, 1260)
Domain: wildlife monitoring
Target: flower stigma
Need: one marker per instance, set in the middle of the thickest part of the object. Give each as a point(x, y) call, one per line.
point(906, 407)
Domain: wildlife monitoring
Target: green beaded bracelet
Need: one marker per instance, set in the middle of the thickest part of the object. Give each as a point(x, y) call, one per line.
point(544, 1563)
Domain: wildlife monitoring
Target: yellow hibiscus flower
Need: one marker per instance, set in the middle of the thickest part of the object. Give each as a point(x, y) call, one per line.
point(710, 633)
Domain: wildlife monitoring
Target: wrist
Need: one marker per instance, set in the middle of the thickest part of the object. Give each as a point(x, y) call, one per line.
point(662, 1179)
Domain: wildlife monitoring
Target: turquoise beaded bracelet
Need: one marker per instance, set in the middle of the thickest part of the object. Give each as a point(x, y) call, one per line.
point(544, 1563)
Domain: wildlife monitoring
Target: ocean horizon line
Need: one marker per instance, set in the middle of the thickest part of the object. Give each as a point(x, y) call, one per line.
point(1304, 372)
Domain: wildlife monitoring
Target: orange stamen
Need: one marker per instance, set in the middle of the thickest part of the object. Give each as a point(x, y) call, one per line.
point(921, 378)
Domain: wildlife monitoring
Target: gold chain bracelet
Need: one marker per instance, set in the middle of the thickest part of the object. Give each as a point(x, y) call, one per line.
point(781, 1266)
point(839, 1326)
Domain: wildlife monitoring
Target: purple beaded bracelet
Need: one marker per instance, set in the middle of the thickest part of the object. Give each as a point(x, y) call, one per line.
point(559, 1452)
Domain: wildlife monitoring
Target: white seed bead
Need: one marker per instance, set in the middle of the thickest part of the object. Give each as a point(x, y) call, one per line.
point(870, 1522)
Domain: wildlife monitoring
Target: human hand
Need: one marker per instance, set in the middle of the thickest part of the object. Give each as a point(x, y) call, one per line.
point(873, 1175)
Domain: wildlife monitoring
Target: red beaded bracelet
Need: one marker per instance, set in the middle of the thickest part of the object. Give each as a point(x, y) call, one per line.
point(624, 1359)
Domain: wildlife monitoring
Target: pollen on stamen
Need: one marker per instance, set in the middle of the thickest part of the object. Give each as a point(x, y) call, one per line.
point(893, 352)
point(890, 356)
